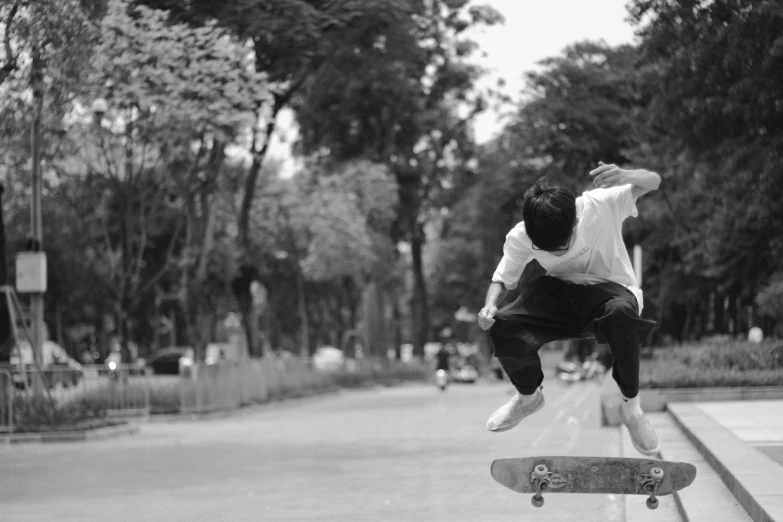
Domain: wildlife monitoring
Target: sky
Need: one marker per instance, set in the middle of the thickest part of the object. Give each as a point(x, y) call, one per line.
point(538, 29)
point(534, 30)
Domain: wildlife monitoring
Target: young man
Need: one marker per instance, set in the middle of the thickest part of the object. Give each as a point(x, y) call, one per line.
point(590, 289)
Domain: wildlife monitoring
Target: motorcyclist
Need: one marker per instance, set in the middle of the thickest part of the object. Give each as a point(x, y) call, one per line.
point(442, 359)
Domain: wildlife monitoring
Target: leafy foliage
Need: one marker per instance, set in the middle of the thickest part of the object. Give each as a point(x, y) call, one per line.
point(715, 364)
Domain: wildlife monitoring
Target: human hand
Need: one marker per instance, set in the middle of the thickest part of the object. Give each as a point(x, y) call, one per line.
point(611, 175)
point(486, 317)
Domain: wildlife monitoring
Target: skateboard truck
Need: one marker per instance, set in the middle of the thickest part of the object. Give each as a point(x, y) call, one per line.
point(650, 483)
point(541, 478)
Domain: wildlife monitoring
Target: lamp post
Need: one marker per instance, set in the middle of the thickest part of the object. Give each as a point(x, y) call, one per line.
point(99, 108)
point(33, 262)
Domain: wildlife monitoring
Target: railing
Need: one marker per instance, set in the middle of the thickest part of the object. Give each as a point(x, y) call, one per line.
point(129, 391)
point(6, 402)
point(122, 392)
point(235, 383)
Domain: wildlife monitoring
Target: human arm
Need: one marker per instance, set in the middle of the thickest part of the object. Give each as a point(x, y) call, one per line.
point(496, 293)
point(517, 254)
point(642, 181)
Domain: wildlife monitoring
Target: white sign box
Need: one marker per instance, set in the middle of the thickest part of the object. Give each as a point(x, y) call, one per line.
point(31, 272)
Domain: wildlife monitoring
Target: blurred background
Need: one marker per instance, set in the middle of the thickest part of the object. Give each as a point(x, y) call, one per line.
point(324, 182)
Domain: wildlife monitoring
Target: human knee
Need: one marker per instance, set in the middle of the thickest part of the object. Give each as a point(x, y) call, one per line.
point(620, 307)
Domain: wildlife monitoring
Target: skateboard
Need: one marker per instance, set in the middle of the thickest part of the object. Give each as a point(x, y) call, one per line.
point(606, 475)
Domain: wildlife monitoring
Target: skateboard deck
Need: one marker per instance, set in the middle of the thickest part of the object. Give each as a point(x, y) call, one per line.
point(606, 475)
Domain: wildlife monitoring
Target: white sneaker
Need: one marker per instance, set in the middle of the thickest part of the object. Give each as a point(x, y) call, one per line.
point(642, 433)
point(512, 413)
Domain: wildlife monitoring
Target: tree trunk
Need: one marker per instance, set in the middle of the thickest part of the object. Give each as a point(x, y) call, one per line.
point(397, 329)
point(374, 327)
point(247, 271)
point(733, 314)
point(304, 323)
point(6, 340)
point(241, 287)
point(685, 332)
point(419, 309)
point(719, 326)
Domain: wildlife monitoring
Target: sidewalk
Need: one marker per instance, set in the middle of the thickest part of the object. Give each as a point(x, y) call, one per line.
point(731, 436)
point(756, 423)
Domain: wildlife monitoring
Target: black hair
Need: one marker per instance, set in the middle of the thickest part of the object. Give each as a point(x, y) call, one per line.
point(549, 212)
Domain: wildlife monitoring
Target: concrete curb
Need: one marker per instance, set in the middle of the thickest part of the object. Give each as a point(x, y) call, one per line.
point(751, 477)
point(657, 399)
point(109, 432)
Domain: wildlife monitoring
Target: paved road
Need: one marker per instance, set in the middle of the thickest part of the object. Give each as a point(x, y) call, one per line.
point(399, 454)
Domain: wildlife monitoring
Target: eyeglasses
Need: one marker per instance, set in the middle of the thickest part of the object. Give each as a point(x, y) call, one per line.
point(557, 250)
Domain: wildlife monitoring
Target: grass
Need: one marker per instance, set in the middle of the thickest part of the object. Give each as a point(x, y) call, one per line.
point(722, 363)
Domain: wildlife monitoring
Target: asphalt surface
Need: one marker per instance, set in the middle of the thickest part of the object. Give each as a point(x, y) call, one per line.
point(387, 454)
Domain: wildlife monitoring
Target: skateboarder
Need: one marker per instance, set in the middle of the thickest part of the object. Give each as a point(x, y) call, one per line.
point(589, 289)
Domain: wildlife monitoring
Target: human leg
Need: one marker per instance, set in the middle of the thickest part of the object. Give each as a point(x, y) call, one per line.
point(613, 316)
point(541, 314)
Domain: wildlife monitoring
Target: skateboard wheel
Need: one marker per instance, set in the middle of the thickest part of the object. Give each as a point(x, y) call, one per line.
point(540, 471)
point(656, 473)
point(537, 501)
point(652, 503)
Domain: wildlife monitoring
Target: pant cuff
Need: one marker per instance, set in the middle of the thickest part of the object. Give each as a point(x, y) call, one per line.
point(629, 393)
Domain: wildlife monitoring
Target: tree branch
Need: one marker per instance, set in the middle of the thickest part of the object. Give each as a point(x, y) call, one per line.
point(155, 278)
point(258, 159)
point(10, 64)
point(142, 245)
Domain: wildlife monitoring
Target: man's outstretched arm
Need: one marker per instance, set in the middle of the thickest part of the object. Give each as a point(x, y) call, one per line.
point(643, 181)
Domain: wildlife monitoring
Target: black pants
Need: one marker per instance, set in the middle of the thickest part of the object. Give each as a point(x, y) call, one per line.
point(549, 309)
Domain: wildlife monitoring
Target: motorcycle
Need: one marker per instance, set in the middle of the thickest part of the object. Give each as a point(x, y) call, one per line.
point(442, 379)
point(114, 370)
point(590, 369)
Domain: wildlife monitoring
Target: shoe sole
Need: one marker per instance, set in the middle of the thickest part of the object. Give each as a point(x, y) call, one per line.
point(510, 426)
point(648, 453)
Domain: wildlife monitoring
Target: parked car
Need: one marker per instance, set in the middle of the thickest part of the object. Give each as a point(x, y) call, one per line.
point(328, 358)
point(167, 361)
point(465, 373)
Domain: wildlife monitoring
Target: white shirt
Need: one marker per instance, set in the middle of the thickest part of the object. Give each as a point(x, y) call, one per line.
point(597, 253)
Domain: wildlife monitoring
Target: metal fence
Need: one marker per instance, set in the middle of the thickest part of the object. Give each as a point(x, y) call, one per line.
point(128, 391)
point(6, 402)
point(122, 392)
point(235, 383)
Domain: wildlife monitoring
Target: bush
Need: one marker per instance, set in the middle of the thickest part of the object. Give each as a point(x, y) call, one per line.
point(36, 414)
point(715, 363)
point(164, 396)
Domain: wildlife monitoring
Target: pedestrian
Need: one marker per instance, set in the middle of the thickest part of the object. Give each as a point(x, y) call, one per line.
point(589, 290)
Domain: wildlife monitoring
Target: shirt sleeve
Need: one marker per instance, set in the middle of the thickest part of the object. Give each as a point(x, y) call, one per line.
point(516, 255)
point(619, 199)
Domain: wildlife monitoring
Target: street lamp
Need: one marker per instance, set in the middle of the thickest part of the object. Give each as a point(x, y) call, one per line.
point(99, 108)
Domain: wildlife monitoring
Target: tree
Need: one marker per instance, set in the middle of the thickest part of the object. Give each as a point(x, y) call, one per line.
point(292, 39)
point(177, 96)
point(41, 59)
point(329, 228)
point(716, 71)
point(402, 94)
